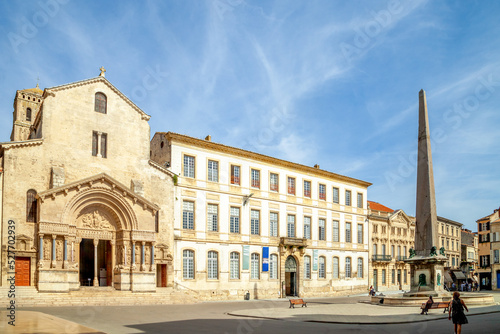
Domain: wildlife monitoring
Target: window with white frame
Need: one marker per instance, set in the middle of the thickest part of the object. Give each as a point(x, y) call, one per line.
point(291, 226)
point(322, 192)
point(335, 231)
point(307, 267)
point(321, 267)
point(291, 186)
point(348, 232)
point(189, 166)
point(188, 215)
point(254, 266)
point(360, 233)
point(348, 267)
point(335, 269)
point(234, 265)
point(321, 229)
point(255, 222)
point(273, 224)
point(273, 266)
point(307, 189)
point(360, 267)
point(274, 182)
point(188, 264)
point(335, 195)
point(348, 198)
point(212, 219)
point(307, 227)
point(255, 176)
point(213, 265)
point(235, 174)
point(496, 255)
point(213, 171)
point(234, 220)
point(360, 200)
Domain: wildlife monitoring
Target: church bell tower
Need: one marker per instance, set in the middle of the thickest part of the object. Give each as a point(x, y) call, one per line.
point(26, 106)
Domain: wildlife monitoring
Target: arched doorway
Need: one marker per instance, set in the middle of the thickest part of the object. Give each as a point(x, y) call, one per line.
point(291, 279)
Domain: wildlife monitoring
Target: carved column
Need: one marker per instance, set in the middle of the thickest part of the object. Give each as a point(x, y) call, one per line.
point(65, 253)
point(113, 262)
point(96, 278)
point(77, 251)
point(132, 258)
point(99, 155)
point(125, 255)
point(40, 259)
point(143, 250)
point(153, 256)
point(53, 263)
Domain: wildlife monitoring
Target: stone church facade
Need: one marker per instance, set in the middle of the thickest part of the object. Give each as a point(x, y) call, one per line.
point(87, 204)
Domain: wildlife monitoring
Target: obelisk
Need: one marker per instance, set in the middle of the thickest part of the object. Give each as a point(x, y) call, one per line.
point(427, 266)
point(426, 234)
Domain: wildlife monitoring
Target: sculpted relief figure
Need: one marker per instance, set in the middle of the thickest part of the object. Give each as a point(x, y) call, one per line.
point(47, 248)
point(147, 255)
point(59, 250)
point(95, 220)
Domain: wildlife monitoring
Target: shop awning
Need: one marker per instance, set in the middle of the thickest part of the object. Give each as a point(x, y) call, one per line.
point(447, 277)
point(459, 275)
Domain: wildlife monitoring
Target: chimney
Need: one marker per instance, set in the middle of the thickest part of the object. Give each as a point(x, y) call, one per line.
point(316, 166)
point(208, 138)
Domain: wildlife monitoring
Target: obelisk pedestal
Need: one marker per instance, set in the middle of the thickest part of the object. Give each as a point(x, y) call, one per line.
point(427, 267)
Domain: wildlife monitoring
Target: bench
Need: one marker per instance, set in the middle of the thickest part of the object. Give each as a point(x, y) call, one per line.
point(294, 302)
point(444, 305)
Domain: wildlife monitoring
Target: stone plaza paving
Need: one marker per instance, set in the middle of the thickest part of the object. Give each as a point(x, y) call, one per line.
point(341, 310)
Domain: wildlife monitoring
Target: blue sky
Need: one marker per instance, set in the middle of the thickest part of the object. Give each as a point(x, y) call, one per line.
point(333, 83)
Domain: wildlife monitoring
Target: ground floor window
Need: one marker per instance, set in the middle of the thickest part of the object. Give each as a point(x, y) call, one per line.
point(188, 264)
point(234, 265)
point(273, 266)
point(255, 272)
point(383, 276)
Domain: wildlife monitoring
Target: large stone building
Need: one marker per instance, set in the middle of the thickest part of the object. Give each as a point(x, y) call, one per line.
point(449, 234)
point(392, 236)
point(469, 255)
point(484, 252)
point(489, 251)
point(251, 225)
point(85, 204)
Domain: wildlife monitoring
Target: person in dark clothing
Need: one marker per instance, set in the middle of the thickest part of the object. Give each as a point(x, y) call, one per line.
point(427, 305)
point(456, 312)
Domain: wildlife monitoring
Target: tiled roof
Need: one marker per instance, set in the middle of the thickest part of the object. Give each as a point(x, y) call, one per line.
point(379, 207)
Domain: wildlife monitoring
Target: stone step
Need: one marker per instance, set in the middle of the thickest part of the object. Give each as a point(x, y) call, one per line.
point(93, 296)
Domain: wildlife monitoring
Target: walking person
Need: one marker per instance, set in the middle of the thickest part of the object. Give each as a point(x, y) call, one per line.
point(456, 312)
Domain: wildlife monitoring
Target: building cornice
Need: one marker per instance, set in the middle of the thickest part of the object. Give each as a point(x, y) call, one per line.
point(24, 143)
point(161, 168)
point(170, 136)
point(51, 90)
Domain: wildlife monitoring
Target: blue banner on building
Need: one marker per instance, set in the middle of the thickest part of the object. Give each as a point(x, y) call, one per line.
point(265, 258)
point(315, 259)
point(246, 258)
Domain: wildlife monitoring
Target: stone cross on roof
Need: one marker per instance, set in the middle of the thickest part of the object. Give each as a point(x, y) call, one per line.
point(103, 71)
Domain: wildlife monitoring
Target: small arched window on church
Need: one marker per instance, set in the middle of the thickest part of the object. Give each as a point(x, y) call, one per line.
point(28, 115)
point(100, 103)
point(31, 206)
